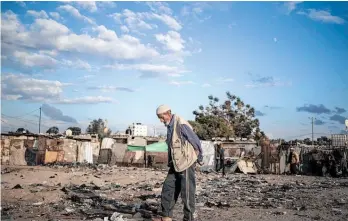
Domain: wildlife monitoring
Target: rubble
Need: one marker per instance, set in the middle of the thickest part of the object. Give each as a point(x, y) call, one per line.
point(109, 193)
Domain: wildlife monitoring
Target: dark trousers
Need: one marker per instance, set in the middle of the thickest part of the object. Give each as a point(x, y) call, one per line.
point(293, 168)
point(176, 183)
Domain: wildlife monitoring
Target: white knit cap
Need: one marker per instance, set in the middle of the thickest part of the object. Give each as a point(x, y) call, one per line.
point(162, 109)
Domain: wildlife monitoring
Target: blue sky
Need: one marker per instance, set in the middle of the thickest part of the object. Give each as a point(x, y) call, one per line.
point(120, 60)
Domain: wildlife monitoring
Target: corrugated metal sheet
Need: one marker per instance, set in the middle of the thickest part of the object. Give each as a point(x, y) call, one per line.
point(70, 150)
point(88, 157)
point(119, 151)
point(5, 151)
point(85, 152)
point(107, 143)
point(17, 152)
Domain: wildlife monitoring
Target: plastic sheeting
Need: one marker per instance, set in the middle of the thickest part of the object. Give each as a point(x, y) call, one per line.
point(208, 155)
point(157, 147)
point(135, 148)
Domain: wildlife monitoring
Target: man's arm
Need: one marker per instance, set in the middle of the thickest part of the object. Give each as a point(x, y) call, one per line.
point(192, 137)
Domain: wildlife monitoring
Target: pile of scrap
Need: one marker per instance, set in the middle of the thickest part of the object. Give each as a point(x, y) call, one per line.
point(326, 162)
point(237, 156)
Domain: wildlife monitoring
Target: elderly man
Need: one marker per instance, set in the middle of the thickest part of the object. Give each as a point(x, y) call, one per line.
point(184, 150)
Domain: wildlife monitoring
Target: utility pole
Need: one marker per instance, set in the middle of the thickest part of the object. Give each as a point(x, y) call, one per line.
point(40, 121)
point(313, 118)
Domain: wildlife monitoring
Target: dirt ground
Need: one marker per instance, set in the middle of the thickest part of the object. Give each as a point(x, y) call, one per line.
point(96, 193)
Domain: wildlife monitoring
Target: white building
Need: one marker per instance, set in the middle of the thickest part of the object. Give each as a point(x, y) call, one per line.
point(139, 130)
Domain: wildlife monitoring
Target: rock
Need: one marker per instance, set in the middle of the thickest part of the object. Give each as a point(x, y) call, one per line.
point(98, 219)
point(336, 211)
point(137, 215)
point(38, 204)
point(69, 210)
point(116, 217)
point(17, 187)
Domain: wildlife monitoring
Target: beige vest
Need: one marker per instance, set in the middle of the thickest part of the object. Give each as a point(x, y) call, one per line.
point(183, 153)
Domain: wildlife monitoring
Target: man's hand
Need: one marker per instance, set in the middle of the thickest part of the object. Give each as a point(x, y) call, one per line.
point(199, 160)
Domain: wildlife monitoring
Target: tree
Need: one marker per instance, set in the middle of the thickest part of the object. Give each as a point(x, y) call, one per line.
point(98, 127)
point(53, 130)
point(75, 130)
point(21, 130)
point(232, 118)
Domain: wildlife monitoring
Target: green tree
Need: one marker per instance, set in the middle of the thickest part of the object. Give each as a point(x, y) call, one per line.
point(98, 127)
point(53, 130)
point(75, 130)
point(22, 130)
point(232, 118)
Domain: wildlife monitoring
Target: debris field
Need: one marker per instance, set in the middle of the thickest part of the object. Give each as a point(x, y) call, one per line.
point(90, 192)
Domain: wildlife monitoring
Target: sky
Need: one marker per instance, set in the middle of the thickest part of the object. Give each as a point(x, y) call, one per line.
point(118, 61)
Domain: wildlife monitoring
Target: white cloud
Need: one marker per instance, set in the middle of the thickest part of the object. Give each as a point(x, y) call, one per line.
point(87, 5)
point(21, 3)
point(77, 64)
point(206, 85)
point(291, 6)
point(160, 7)
point(172, 41)
point(117, 17)
point(75, 13)
point(22, 87)
point(106, 4)
point(36, 14)
point(269, 84)
point(180, 83)
point(196, 11)
point(168, 20)
point(55, 15)
point(16, 87)
point(136, 20)
point(150, 70)
point(48, 34)
point(124, 29)
point(35, 60)
point(51, 53)
point(86, 100)
point(323, 16)
point(105, 88)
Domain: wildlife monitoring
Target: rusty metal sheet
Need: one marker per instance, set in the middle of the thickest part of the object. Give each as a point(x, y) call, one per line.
point(70, 149)
point(104, 156)
point(156, 158)
point(40, 157)
point(50, 156)
point(134, 157)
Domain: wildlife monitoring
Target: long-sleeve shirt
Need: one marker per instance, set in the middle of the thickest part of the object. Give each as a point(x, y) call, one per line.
point(187, 134)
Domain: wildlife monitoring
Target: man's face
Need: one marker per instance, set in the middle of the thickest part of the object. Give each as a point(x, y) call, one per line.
point(164, 118)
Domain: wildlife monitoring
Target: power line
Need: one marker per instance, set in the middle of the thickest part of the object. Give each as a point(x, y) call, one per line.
point(21, 116)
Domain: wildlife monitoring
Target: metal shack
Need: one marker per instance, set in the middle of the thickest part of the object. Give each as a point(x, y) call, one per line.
point(236, 155)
